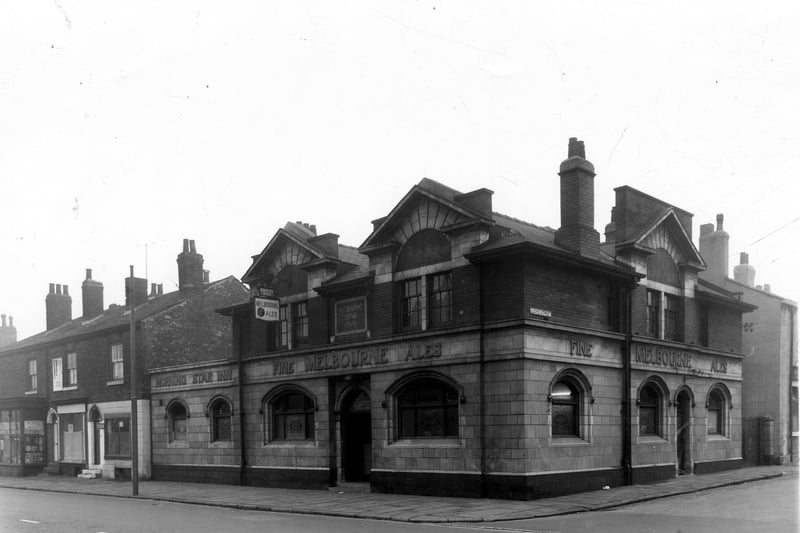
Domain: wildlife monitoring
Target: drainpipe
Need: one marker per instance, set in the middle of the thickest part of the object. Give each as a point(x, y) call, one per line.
point(627, 433)
point(242, 440)
point(482, 381)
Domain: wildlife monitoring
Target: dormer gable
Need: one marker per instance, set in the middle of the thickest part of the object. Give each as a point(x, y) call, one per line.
point(429, 205)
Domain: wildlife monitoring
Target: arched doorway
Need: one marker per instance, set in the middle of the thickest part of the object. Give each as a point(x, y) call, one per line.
point(683, 434)
point(96, 419)
point(356, 436)
point(52, 436)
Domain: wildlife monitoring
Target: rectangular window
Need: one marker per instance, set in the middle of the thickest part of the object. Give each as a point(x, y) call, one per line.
point(411, 303)
point(118, 437)
point(33, 375)
point(10, 436)
point(58, 382)
point(702, 319)
point(671, 317)
point(71, 376)
point(300, 321)
point(117, 364)
point(653, 298)
point(282, 329)
point(71, 443)
point(440, 301)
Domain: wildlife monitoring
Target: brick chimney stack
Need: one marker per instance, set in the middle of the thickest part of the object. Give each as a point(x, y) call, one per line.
point(714, 249)
point(190, 267)
point(577, 231)
point(92, 296)
point(8, 333)
point(139, 291)
point(58, 305)
point(744, 273)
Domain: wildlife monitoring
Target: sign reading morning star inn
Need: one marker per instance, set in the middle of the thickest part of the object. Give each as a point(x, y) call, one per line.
point(663, 357)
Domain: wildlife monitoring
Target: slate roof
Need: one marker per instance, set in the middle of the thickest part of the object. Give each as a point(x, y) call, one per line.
point(116, 316)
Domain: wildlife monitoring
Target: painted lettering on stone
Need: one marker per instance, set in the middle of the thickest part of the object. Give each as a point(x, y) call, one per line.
point(421, 352)
point(581, 347)
point(364, 357)
point(718, 366)
point(650, 355)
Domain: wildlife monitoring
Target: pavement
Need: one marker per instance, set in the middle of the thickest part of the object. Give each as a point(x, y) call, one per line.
point(355, 500)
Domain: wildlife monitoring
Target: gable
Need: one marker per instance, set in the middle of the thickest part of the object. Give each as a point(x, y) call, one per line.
point(283, 250)
point(665, 232)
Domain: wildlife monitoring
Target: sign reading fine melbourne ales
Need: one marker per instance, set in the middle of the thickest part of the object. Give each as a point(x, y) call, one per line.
point(662, 357)
point(267, 309)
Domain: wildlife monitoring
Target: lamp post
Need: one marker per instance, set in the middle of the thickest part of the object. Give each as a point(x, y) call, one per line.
point(134, 394)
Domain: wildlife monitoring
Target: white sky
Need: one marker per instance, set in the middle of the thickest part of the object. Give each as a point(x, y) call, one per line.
point(143, 123)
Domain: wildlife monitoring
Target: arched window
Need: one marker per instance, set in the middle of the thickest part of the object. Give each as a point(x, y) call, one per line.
point(716, 408)
point(177, 414)
point(427, 407)
point(220, 413)
point(292, 416)
point(649, 410)
point(565, 409)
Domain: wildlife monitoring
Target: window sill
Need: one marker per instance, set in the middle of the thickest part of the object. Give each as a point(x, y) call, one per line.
point(118, 457)
point(67, 389)
point(717, 437)
point(221, 444)
point(178, 444)
point(441, 442)
point(31, 392)
point(291, 444)
point(643, 439)
point(115, 382)
point(568, 441)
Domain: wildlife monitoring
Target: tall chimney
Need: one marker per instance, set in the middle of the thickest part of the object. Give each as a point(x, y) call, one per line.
point(577, 231)
point(8, 333)
point(92, 296)
point(58, 306)
point(137, 287)
point(714, 249)
point(190, 267)
point(744, 272)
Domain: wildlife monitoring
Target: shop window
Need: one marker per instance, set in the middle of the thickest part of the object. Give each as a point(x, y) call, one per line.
point(220, 413)
point(427, 407)
point(10, 436)
point(118, 437)
point(300, 322)
point(716, 409)
point(33, 375)
point(565, 409)
point(649, 410)
point(292, 415)
point(117, 364)
point(71, 375)
point(177, 415)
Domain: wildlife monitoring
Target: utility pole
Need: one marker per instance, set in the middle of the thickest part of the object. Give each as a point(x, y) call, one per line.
point(134, 394)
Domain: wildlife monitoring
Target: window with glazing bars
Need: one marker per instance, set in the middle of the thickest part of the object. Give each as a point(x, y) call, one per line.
point(440, 299)
point(411, 303)
point(72, 369)
point(652, 313)
point(117, 365)
point(282, 329)
point(300, 321)
point(33, 375)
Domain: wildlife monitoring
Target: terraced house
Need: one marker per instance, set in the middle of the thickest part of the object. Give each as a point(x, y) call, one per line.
point(460, 351)
point(65, 393)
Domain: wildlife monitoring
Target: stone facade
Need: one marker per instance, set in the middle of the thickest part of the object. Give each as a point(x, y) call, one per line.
point(459, 351)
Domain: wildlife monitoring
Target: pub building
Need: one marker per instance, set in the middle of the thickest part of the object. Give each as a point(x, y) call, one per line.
point(462, 352)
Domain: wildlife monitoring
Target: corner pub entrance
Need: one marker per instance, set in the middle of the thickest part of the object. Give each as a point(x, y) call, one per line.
point(458, 351)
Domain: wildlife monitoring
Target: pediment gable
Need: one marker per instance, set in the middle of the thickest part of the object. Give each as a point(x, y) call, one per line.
point(424, 207)
point(665, 231)
point(284, 249)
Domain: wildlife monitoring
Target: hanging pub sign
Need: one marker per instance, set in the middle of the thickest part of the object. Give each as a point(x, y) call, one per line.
point(267, 309)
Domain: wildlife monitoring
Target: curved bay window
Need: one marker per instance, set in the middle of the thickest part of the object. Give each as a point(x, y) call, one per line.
point(220, 413)
point(427, 407)
point(715, 406)
point(649, 410)
point(292, 417)
point(565, 409)
point(177, 414)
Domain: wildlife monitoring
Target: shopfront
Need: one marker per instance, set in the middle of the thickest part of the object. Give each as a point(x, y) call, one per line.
point(22, 436)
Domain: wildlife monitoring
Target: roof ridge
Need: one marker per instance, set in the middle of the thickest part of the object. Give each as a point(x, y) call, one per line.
point(531, 224)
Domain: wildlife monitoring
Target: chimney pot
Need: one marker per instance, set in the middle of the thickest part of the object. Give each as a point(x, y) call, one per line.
point(11, 321)
point(192, 248)
point(160, 289)
point(58, 288)
point(314, 229)
point(4, 320)
point(743, 258)
point(186, 246)
point(66, 290)
point(719, 221)
point(766, 287)
point(52, 288)
point(153, 289)
point(88, 273)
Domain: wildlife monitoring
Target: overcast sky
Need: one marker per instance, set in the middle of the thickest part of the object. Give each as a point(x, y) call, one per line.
point(127, 127)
